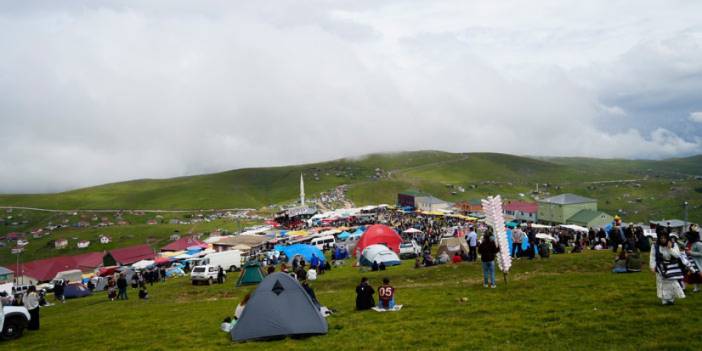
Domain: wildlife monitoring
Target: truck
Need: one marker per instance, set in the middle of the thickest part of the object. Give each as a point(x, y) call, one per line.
point(229, 260)
point(13, 320)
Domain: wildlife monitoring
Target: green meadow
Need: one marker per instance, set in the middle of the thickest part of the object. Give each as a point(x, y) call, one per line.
point(567, 302)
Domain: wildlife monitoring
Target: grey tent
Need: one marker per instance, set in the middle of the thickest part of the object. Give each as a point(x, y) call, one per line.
point(279, 307)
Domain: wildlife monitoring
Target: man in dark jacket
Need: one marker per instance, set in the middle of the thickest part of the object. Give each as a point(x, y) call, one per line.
point(487, 250)
point(364, 295)
point(122, 287)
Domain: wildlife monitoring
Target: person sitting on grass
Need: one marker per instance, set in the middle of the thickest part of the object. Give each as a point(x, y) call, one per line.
point(364, 295)
point(457, 258)
point(381, 266)
point(386, 295)
point(620, 263)
point(443, 257)
point(374, 266)
point(633, 261)
point(143, 294)
point(544, 249)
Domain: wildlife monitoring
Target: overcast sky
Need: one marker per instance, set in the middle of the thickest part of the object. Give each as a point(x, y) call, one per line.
point(101, 91)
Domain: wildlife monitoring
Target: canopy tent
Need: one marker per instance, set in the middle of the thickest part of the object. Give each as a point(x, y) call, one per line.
point(379, 253)
point(545, 237)
point(304, 250)
point(251, 274)
point(279, 307)
point(452, 246)
point(143, 264)
point(512, 224)
point(162, 260)
point(575, 227)
point(540, 226)
point(343, 236)
point(412, 231)
point(379, 234)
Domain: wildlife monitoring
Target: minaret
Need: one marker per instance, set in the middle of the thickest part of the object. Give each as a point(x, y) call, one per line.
point(302, 191)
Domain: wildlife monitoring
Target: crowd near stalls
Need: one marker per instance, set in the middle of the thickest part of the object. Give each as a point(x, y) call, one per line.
point(299, 245)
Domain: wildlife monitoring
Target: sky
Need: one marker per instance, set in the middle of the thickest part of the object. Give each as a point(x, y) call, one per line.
point(102, 91)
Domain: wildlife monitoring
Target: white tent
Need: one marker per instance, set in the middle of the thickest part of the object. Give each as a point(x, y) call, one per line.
point(545, 237)
point(379, 253)
point(540, 226)
point(412, 231)
point(143, 264)
point(575, 227)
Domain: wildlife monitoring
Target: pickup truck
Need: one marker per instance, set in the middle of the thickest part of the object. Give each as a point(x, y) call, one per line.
point(13, 320)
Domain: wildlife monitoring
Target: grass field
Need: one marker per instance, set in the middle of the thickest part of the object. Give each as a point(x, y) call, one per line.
point(568, 302)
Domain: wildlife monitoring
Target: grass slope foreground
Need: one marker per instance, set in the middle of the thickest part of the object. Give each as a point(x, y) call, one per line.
point(640, 190)
point(567, 302)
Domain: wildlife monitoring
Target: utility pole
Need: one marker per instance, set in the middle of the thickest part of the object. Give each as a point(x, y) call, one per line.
point(685, 217)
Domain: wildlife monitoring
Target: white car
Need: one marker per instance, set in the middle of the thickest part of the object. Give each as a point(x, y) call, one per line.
point(206, 274)
point(13, 320)
point(409, 249)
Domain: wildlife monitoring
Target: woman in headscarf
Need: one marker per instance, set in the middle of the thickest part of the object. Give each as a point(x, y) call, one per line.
point(694, 252)
point(663, 262)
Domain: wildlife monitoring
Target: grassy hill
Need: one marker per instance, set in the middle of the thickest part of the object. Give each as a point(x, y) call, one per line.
point(377, 178)
point(547, 305)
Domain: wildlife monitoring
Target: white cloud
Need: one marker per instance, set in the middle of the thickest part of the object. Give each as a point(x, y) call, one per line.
point(99, 93)
point(696, 116)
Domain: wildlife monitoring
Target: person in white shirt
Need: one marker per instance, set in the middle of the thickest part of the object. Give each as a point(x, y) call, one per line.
point(472, 239)
point(31, 302)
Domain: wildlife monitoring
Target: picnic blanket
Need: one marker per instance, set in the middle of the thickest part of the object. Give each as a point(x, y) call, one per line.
point(395, 308)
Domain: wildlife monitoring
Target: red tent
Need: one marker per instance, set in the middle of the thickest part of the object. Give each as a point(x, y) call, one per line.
point(379, 234)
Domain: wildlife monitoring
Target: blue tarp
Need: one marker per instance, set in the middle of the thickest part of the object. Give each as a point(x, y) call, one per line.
point(343, 235)
point(303, 250)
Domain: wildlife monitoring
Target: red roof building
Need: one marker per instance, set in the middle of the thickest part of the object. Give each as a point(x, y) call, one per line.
point(128, 255)
point(46, 269)
point(522, 210)
point(183, 243)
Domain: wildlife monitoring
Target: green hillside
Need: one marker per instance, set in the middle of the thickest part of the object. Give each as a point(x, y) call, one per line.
point(658, 188)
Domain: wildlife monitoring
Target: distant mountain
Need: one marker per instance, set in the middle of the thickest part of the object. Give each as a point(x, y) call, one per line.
point(377, 178)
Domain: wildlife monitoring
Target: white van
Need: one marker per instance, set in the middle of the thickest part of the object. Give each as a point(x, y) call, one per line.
point(323, 242)
point(229, 260)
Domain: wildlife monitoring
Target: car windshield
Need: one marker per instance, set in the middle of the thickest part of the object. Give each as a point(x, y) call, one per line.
point(199, 269)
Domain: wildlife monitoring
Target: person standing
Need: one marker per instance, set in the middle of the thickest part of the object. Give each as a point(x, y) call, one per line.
point(122, 287)
point(364, 295)
point(31, 302)
point(663, 262)
point(220, 275)
point(472, 239)
point(488, 249)
point(694, 252)
point(59, 288)
point(516, 242)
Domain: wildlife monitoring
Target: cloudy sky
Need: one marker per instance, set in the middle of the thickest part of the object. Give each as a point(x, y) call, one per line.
point(101, 91)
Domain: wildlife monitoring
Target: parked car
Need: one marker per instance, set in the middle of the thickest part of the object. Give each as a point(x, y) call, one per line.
point(13, 321)
point(206, 274)
point(409, 249)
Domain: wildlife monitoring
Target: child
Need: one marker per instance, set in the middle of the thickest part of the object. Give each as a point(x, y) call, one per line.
point(386, 295)
point(143, 294)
